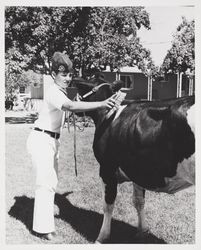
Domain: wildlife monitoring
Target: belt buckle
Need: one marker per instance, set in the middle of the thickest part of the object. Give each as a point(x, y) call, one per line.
point(55, 135)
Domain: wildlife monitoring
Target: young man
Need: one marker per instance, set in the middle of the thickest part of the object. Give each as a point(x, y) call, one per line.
point(43, 142)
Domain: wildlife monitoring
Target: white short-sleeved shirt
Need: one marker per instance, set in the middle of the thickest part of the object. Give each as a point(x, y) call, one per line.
point(51, 116)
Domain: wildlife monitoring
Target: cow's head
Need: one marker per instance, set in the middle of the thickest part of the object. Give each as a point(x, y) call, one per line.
point(91, 92)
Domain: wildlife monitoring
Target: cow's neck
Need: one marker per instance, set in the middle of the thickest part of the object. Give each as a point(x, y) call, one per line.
point(98, 116)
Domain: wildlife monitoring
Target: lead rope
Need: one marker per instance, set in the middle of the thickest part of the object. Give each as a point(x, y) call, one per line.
point(68, 120)
point(67, 114)
point(74, 137)
point(75, 140)
point(75, 144)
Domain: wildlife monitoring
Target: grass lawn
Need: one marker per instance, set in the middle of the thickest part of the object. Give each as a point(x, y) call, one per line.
point(78, 203)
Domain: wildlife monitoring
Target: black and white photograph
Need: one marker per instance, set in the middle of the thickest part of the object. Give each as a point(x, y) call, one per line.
point(98, 106)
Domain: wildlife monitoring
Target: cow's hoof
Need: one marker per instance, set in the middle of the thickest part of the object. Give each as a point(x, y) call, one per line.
point(48, 236)
point(102, 239)
point(97, 242)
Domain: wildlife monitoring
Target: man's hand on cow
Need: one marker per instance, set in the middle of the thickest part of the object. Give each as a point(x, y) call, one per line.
point(110, 102)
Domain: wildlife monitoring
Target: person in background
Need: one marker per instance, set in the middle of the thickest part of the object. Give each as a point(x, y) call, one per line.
point(43, 142)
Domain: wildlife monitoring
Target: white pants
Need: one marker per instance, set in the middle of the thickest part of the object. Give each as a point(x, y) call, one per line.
point(44, 154)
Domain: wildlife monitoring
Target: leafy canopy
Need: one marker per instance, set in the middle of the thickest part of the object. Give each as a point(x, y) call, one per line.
point(94, 37)
point(181, 56)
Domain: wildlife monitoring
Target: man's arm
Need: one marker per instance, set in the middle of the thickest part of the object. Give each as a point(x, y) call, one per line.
point(87, 106)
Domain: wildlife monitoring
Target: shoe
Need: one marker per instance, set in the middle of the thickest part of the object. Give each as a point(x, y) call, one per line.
point(47, 236)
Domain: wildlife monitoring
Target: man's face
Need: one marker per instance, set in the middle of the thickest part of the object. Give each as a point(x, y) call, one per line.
point(63, 79)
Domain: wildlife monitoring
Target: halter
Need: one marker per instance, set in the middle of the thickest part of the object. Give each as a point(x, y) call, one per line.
point(94, 90)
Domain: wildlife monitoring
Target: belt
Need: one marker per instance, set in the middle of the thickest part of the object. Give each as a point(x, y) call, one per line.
point(52, 134)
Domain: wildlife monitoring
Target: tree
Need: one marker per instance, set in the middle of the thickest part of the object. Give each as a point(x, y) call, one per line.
point(13, 70)
point(36, 32)
point(15, 75)
point(110, 38)
point(94, 37)
point(181, 56)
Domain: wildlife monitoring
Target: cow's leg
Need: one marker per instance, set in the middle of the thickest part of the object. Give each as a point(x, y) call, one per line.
point(109, 195)
point(139, 202)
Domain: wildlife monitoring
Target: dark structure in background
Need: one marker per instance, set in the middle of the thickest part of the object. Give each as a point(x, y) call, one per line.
point(137, 85)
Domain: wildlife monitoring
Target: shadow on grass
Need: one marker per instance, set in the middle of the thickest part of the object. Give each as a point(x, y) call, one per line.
point(23, 210)
point(86, 222)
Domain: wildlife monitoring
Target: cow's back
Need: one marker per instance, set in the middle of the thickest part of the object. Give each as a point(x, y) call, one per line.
point(147, 141)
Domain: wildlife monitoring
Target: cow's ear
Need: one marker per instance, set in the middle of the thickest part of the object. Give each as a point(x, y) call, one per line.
point(159, 113)
point(117, 85)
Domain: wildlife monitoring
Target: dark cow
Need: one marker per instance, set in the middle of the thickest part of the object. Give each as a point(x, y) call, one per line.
point(151, 144)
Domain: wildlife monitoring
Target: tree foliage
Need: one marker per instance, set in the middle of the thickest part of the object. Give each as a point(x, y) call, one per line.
point(181, 56)
point(94, 37)
point(15, 75)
